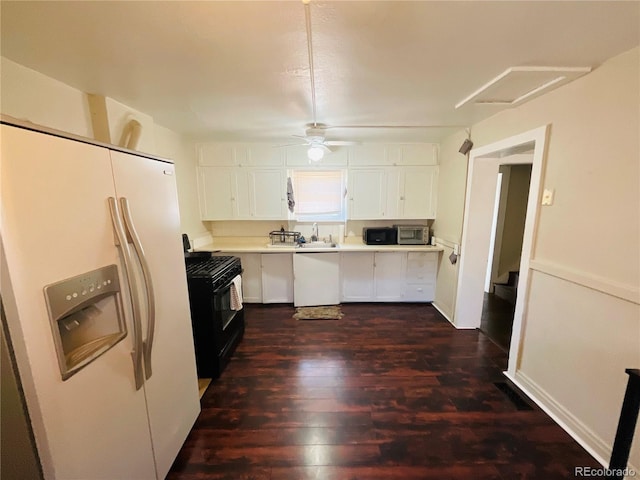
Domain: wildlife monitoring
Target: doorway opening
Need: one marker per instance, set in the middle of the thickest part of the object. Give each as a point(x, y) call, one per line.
point(505, 251)
point(479, 227)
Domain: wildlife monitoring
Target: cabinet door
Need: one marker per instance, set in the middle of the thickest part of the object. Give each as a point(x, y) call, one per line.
point(419, 154)
point(267, 190)
point(216, 191)
point(251, 276)
point(277, 278)
point(356, 269)
point(367, 194)
point(418, 192)
point(217, 154)
point(259, 154)
point(372, 154)
point(389, 276)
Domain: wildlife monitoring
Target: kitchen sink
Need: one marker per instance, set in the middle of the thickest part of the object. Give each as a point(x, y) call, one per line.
point(318, 245)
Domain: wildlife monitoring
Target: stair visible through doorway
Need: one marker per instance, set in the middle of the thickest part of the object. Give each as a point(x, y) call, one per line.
point(507, 291)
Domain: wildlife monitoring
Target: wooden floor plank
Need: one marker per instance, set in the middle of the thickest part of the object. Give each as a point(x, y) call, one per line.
point(391, 391)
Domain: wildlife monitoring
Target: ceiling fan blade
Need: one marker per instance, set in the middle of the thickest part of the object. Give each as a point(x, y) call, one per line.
point(292, 144)
point(300, 136)
point(339, 143)
point(324, 147)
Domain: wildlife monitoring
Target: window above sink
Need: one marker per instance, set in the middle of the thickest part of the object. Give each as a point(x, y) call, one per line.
point(319, 195)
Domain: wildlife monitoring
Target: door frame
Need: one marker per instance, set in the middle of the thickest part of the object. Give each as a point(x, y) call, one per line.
point(476, 235)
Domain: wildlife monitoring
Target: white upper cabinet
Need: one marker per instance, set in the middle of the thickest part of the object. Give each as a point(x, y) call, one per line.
point(242, 193)
point(263, 155)
point(239, 155)
point(366, 193)
point(368, 154)
point(217, 154)
point(392, 193)
point(267, 193)
point(417, 192)
point(394, 154)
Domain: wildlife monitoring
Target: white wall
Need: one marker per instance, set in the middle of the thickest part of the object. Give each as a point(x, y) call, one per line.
point(29, 95)
point(582, 318)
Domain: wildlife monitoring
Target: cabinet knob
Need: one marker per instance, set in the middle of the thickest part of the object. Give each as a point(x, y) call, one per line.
point(401, 198)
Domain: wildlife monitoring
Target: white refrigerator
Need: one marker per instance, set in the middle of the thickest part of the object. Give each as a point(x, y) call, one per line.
point(94, 292)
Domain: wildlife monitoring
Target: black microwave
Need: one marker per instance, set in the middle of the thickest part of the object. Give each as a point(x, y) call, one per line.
point(380, 236)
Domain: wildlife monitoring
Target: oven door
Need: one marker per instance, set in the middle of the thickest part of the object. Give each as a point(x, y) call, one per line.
point(222, 306)
point(228, 323)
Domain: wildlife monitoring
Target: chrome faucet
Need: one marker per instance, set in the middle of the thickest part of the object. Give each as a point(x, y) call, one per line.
point(314, 232)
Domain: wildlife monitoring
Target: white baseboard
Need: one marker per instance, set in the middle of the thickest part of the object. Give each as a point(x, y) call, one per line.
point(445, 315)
point(592, 443)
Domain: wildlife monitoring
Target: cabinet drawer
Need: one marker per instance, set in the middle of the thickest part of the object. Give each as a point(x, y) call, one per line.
point(420, 293)
point(421, 267)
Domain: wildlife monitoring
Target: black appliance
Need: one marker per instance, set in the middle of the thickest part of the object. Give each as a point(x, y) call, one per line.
point(217, 328)
point(380, 235)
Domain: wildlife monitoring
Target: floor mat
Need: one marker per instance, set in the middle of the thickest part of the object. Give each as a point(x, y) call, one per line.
point(330, 312)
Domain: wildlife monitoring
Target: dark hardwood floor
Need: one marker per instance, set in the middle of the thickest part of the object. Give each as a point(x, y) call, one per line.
point(389, 392)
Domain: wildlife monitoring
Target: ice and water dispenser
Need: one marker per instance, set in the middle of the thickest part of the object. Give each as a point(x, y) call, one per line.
point(87, 317)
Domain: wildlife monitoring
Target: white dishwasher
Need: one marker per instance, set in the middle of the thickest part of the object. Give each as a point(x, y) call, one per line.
point(316, 279)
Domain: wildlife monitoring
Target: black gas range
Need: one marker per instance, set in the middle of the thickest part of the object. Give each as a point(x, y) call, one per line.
point(217, 326)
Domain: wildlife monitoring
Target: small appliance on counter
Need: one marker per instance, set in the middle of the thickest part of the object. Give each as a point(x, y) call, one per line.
point(380, 235)
point(412, 234)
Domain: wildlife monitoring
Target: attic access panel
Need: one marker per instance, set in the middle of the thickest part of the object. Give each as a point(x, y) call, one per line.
point(517, 84)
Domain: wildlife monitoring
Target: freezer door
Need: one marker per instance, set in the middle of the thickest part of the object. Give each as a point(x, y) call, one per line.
point(148, 188)
point(56, 225)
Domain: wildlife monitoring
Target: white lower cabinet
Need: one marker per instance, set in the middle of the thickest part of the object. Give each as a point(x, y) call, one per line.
point(357, 276)
point(251, 277)
point(420, 277)
point(277, 278)
point(388, 276)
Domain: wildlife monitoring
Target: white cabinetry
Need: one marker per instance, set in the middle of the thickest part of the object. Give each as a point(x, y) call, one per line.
point(238, 193)
point(267, 193)
point(356, 270)
point(251, 276)
point(388, 276)
point(367, 193)
point(239, 154)
point(394, 154)
point(392, 193)
point(223, 193)
point(420, 276)
point(277, 278)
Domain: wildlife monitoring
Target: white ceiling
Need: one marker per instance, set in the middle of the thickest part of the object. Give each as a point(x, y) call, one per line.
point(239, 70)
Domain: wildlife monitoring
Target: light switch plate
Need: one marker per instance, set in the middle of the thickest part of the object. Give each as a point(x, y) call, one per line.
point(547, 197)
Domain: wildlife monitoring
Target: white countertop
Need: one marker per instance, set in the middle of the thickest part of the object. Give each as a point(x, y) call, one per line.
point(262, 245)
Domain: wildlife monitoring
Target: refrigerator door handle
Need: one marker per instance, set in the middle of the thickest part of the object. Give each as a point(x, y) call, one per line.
point(146, 273)
point(122, 244)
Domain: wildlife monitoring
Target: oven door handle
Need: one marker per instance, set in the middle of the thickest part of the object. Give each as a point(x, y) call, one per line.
point(123, 246)
point(227, 286)
point(147, 345)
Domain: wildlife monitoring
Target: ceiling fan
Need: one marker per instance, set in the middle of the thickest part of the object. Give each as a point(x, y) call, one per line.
point(315, 138)
point(315, 133)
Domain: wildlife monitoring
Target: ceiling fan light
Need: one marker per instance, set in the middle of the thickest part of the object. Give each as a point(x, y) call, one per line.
point(315, 153)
